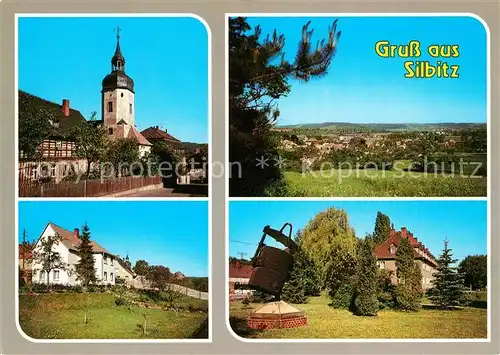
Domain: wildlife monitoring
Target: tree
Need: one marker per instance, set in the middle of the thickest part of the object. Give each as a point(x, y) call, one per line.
point(90, 140)
point(447, 286)
point(365, 302)
point(163, 160)
point(85, 270)
point(141, 267)
point(46, 255)
point(303, 280)
point(382, 228)
point(475, 271)
point(259, 75)
point(122, 153)
point(34, 125)
point(159, 276)
point(408, 293)
point(330, 243)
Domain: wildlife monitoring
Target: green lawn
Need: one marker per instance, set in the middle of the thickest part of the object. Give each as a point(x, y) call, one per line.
point(377, 183)
point(325, 322)
point(61, 316)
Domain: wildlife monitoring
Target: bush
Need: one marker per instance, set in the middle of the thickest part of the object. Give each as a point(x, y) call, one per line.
point(343, 297)
point(260, 297)
point(386, 299)
point(120, 301)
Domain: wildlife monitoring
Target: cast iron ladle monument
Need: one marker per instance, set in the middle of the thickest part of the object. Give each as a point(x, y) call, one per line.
point(271, 269)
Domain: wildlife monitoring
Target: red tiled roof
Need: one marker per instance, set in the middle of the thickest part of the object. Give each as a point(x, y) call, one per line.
point(71, 241)
point(134, 133)
point(383, 251)
point(240, 271)
point(157, 133)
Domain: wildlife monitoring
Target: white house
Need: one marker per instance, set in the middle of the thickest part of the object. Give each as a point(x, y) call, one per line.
point(107, 265)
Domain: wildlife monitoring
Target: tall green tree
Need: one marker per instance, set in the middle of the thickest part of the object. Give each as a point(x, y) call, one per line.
point(122, 154)
point(303, 280)
point(91, 141)
point(141, 267)
point(259, 75)
point(448, 284)
point(35, 124)
point(365, 302)
point(475, 271)
point(330, 243)
point(408, 293)
point(46, 254)
point(382, 228)
point(85, 268)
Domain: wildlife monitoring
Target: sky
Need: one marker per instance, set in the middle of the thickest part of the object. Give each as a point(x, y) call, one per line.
point(173, 234)
point(362, 87)
point(67, 58)
point(463, 223)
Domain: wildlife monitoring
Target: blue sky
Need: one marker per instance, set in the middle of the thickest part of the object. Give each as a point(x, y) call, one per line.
point(174, 234)
point(166, 57)
point(363, 87)
point(463, 223)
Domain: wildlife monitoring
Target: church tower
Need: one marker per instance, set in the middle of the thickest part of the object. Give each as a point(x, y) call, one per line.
point(117, 96)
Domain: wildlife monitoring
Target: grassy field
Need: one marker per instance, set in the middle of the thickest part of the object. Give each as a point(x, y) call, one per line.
point(325, 322)
point(377, 183)
point(61, 316)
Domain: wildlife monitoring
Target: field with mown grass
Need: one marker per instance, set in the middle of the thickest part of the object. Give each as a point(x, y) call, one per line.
point(325, 322)
point(378, 183)
point(62, 315)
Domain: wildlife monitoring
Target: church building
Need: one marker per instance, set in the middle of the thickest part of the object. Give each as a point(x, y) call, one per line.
point(117, 102)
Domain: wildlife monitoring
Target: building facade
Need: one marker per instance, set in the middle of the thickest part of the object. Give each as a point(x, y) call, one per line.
point(386, 256)
point(107, 265)
point(239, 275)
point(56, 155)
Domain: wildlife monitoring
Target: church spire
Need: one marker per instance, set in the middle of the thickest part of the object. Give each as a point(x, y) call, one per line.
point(118, 61)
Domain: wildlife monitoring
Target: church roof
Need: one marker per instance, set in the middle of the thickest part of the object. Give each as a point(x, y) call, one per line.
point(117, 80)
point(71, 241)
point(30, 104)
point(134, 133)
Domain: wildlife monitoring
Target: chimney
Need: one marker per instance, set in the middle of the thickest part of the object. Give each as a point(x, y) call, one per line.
point(65, 107)
point(403, 231)
point(77, 233)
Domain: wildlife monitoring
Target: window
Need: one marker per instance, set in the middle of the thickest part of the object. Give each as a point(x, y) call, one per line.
point(110, 276)
point(53, 170)
point(111, 263)
point(42, 275)
point(58, 145)
point(110, 106)
point(105, 276)
point(121, 94)
point(105, 260)
point(110, 131)
point(130, 108)
point(56, 275)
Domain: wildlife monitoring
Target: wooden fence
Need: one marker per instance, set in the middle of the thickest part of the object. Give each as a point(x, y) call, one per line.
point(85, 188)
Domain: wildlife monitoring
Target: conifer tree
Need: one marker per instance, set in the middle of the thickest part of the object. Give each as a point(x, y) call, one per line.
point(303, 280)
point(382, 228)
point(365, 302)
point(448, 288)
point(85, 269)
point(408, 290)
point(259, 75)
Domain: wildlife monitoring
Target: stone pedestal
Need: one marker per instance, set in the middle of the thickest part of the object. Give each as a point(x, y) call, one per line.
point(275, 315)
